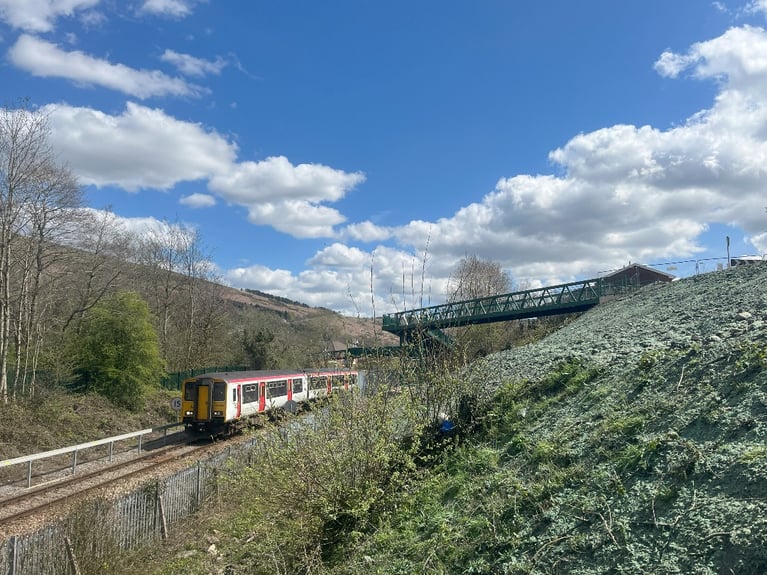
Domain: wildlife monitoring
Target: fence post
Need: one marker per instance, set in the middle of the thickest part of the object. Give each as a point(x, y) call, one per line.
point(199, 483)
point(14, 548)
point(71, 556)
point(163, 521)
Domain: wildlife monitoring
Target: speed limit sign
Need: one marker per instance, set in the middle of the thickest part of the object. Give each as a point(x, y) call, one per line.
point(175, 404)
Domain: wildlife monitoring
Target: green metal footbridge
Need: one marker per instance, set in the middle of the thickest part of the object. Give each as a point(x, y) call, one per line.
point(427, 322)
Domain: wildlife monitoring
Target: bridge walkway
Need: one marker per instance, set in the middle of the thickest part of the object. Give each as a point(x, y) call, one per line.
point(552, 300)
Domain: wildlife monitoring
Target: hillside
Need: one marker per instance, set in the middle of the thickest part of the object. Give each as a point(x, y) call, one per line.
point(348, 330)
point(630, 441)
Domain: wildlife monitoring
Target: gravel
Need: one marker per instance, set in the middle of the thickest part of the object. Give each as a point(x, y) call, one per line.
point(662, 456)
point(718, 311)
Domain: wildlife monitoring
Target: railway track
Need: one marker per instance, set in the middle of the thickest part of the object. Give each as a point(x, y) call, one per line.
point(33, 507)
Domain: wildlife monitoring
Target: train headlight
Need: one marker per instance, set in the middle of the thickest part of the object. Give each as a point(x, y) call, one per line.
point(218, 413)
point(188, 413)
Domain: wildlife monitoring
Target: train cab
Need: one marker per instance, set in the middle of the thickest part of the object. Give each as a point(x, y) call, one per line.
point(208, 403)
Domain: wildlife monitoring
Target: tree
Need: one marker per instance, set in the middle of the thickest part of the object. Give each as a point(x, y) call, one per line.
point(256, 346)
point(182, 295)
point(476, 278)
point(118, 353)
point(37, 197)
point(92, 273)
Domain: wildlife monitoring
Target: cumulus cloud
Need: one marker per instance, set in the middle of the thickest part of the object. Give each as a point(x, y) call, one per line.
point(738, 58)
point(352, 281)
point(145, 148)
point(628, 193)
point(140, 148)
point(758, 6)
point(367, 232)
point(191, 66)
point(172, 8)
point(40, 15)
point(45, 59)
point(198, 201)
point(340, 256)
point(277, 177)
point(622, 193)
point(290, 198)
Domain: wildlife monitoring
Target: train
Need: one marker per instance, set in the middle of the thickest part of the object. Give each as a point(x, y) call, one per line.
point(225, 402)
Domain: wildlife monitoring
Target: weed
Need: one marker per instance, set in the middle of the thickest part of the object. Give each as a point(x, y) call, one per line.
point(752, 358)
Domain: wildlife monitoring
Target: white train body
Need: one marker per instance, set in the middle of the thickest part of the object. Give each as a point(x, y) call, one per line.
point(219, 402)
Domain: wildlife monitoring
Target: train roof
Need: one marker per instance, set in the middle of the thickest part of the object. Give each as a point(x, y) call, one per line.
point(268, 373)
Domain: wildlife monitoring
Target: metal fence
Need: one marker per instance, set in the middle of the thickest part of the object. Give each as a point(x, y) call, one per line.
point(96, 530)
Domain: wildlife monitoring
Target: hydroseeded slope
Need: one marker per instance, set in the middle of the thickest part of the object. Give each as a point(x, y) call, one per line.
point(646, 452)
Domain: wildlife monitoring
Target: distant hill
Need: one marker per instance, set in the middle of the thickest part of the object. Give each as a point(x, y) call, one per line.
point(364, 331)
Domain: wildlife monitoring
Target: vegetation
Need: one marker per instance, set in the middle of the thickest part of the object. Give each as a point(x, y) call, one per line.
point(118, 353)
point(653, 462)
point(62, 266)
point(628, 441)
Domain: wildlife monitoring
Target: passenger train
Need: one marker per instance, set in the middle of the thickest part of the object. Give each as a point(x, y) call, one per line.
point(224, 402)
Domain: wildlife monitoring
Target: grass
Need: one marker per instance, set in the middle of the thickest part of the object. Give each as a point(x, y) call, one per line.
point(58, 418)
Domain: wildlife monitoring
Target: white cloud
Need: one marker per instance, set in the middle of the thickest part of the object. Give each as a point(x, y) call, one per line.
point(198, 201)
point(367, 232)
point(351, 281)
point(628, 193)
point(44, 59)
point(277, 282)
point(173, 8)
point(145, 148)
point(141, 148)
point(192, 66)
point(298, 218)
point(339, 255)
point(276, 178)
point(288, 197)
point(758, 6)
point(40, 15)
point(737, 58)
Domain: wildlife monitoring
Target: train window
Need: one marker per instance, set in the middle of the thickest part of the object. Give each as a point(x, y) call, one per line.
point(298, 385)
point(277, 388)
point(190, 389)
point(318, 382)
point(249, 393)
point(219, 391)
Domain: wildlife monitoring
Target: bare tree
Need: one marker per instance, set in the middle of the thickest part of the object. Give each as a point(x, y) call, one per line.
point(160, 251)
point(474, 278)
point(181, 295)
point(92, 273)
point(36, 197)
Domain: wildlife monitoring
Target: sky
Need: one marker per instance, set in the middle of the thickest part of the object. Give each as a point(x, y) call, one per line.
point(349, 153)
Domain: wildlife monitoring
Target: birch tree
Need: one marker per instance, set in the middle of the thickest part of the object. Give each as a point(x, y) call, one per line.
point(37, 194)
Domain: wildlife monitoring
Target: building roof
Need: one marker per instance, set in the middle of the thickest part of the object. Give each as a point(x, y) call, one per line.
point(640, 274)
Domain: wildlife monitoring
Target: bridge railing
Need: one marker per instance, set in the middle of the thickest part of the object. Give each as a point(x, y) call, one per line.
point(526, 303)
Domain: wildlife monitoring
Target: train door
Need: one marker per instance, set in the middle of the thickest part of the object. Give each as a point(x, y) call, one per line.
point(262, 396)
point(237, 401)
point(202, 413)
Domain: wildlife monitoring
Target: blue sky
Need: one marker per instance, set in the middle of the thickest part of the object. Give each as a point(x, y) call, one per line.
point(348, 154)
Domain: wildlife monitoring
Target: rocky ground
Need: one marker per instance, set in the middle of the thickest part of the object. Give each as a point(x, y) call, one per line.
point(657, 456)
